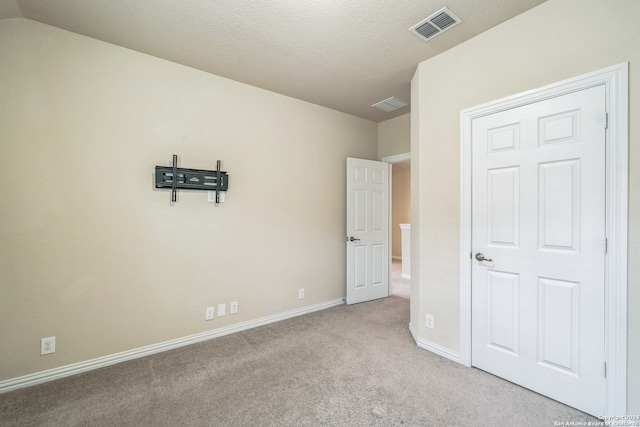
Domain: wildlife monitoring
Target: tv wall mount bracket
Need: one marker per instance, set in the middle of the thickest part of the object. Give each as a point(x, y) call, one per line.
point(175, 178)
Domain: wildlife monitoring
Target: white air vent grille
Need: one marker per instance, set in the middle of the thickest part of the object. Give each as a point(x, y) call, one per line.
point(435, 24)
point(390, 104)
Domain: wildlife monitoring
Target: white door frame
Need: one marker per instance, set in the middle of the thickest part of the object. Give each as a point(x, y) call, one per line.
point(616, 81)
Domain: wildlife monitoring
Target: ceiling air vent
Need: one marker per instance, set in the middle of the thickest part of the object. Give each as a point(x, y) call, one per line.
point(435, 24)
point(390, 104)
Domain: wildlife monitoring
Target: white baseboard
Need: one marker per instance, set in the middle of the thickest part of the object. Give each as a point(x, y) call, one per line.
point(405, 276)
point(435, 348)
point(76, 368)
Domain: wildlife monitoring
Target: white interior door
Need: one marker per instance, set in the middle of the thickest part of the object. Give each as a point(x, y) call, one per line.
point(367, 230)
point(538, 209)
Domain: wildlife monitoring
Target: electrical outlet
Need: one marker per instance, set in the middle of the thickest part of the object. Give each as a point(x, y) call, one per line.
point(430, 321)
point(233, 307)
point(222, 309)
point(209, 313)
point(211, 196)
point(47, 345)
point(301, 293)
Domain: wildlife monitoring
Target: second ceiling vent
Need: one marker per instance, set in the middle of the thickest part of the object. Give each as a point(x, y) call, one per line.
point(435, 24)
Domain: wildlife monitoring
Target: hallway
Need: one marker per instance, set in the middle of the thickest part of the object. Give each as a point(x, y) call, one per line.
point(399, 286)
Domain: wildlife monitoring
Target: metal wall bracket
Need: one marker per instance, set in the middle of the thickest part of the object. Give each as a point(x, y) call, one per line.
point(177, 178)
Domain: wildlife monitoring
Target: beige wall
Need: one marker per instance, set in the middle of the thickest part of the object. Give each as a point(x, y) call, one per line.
point(555, 41)
point(394, 136)
point(93, 254)
point(401, 203)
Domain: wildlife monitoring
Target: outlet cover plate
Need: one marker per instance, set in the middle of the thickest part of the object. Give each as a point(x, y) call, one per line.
point(47, 345)
point(233, 307)
point(222, 310)
point(211, 196)
point(209, 313)
point(430, 321)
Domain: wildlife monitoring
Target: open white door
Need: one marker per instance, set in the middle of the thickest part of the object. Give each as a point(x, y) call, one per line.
point(367, 230)
point(539, 247)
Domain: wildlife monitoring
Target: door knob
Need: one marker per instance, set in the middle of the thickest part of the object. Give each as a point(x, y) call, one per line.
point(353, 239)
point(480, 257)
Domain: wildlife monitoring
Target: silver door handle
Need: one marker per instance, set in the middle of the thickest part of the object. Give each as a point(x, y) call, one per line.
point(353, 239)
point(480, 257)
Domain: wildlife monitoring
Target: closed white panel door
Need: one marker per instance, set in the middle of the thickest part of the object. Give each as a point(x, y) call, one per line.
point(539, 222)
point(367, 230)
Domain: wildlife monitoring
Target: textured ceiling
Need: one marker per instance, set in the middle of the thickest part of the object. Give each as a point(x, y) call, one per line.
point(345, 55)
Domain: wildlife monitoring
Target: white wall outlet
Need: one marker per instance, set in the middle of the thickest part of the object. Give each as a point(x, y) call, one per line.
point(222, 309)
point(209, 313)
point(211, 196)
point(301, 293)
point(233, 307)
point(47, 345)
point(430, 321)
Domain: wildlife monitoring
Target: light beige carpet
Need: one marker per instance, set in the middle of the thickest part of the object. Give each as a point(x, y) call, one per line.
point(399, 287)
point(345, 366)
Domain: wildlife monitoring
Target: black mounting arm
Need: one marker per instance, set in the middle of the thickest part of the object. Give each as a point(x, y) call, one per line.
point(177, 178)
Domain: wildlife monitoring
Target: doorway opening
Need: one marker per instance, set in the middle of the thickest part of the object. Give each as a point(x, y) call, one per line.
point(400, 211)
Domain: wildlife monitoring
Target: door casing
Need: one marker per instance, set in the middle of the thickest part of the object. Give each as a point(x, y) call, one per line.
point(616, 81)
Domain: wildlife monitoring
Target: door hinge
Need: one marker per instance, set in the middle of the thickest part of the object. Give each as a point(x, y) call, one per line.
point(606, 120)
point(604, 365)
point(605, 245)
